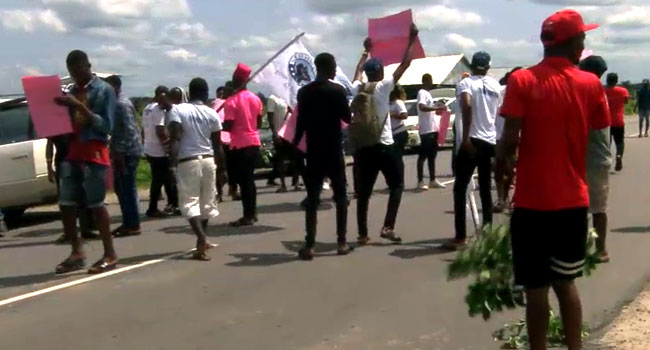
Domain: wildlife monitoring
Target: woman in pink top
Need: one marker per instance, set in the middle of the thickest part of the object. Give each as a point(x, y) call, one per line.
point(243, 114)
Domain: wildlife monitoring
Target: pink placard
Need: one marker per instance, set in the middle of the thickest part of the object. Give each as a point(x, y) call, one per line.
point(288, 130)
point(445, 117)
point(390, 36)
point(49, 118)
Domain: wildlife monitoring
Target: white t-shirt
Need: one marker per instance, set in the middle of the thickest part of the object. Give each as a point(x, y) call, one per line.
point(381, 98)
point(428, 121)
point(153, 116)
point(278, 107)
point(198, 122)
point(500, 121)
point(397, 107)
point(486, 93)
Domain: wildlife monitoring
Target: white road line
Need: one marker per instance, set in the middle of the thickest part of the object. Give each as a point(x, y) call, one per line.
point(448, 182)
point(89, 279)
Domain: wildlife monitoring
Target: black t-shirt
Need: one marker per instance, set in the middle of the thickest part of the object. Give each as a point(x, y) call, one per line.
point(322, 105)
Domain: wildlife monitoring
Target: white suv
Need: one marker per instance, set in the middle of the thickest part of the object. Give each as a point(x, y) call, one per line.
point(23, 171)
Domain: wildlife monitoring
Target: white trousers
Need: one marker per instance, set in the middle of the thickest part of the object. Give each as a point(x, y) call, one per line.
point(197, 188)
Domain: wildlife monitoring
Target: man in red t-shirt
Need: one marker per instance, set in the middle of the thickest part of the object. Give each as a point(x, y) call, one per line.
point(549, 109)
point(83, 172)
point(617, 96)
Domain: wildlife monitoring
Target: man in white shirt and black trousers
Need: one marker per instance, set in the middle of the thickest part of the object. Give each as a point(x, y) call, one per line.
point(382, 156)
point(479, 102)
point(195, 143)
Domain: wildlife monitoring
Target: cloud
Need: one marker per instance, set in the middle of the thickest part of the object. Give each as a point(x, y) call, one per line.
point(348, 6)
point(186, 34)
point(181, 54)
point(457, 41)
point(582, 2)
point(30, 20)
point(632, 17)
point(255, 42)
point(438, 16)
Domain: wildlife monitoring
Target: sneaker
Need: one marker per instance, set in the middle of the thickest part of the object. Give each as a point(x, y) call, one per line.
point(173, 211)
point(619, 163)
point(436, 184)
point(422, 186)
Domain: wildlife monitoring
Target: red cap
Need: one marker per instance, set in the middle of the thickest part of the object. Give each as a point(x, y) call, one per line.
point(562, 26)
point(242, 72)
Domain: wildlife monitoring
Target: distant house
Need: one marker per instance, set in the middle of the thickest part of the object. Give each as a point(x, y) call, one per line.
point(446, 71)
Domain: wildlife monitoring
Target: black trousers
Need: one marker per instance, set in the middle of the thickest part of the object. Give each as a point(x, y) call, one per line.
point(371, 161)
point(618, 135)
point(320, 166)
point(284, 151)
point(465, 165)
point(243, 162)
point(428, 152)
point(401, 139)
point(161, 176)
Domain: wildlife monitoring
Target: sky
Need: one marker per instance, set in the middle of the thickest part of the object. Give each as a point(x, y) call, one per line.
point(169, 42)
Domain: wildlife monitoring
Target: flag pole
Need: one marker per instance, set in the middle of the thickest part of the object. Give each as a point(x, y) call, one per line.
point(269, 61)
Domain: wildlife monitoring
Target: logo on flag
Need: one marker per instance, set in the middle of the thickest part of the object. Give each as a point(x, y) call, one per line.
point(302, 69)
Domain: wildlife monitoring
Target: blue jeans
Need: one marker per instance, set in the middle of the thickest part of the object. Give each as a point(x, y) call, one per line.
point(127, 192)
point(82, 184)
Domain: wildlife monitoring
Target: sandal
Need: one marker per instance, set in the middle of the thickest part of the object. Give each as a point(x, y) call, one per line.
point(389, 234)
point(344, 249)
point(69, 265)
point(243, 222)
point(603, 258)
point(306, 254)
point(363, 240)
point(201, 256)
point(126, 232)
point(102, 266)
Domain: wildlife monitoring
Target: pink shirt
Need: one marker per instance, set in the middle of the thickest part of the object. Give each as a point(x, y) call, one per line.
point(242, 109)
point(225, 136)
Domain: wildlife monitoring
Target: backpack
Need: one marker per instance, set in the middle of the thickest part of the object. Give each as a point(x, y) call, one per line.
point(364, 129)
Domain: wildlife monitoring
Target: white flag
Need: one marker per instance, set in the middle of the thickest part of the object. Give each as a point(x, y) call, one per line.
point(291, 70)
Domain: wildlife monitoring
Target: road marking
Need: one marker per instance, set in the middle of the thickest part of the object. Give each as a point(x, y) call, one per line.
point(448, 182)
point(90, 278)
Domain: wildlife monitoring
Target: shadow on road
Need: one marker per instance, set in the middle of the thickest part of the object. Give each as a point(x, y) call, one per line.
point(279, 208)
point(422, 248)
point(633, 229)
point(25, 244)
point(222, 230)
point(254, 259)
point(33, 218)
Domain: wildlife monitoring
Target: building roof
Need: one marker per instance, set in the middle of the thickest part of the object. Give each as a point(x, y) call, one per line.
point(441, 69)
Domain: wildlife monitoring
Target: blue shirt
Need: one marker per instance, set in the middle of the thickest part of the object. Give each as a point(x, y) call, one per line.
point(101, 102)
point(126, 135)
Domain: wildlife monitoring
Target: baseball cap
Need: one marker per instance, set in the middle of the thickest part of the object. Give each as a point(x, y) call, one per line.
point(373, 66)
point(562, 26)
point(481, 60)
point(242, 72)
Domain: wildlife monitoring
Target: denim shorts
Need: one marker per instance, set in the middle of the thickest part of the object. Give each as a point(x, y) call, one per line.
point(82, 184)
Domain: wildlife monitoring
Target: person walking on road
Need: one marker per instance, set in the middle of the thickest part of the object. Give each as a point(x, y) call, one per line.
point(156, 146)
point(549, 110)
point(196, 153)
point(243, 116)
point(126, 151)
point(322, 106)
point(277, 111)
point(429, 127)
point(480, 96)
point(643, 100)
point(377, 152)
point(617, 97)
point(83, 174)
point(225, 176)
point(599, 162)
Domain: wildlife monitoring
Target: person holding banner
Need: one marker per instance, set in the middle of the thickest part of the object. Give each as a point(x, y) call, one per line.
point(83, 174)
point(377, 154)
point(277, 111)
point(243, 115)
point(322, 106)
point(480, 97)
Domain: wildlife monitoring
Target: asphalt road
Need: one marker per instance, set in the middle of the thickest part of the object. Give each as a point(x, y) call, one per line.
point(255, 294)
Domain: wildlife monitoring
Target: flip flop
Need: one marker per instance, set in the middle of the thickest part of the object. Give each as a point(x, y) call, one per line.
point(69, 265)
point(200, 256)
point(102, 266)
point(389, 234)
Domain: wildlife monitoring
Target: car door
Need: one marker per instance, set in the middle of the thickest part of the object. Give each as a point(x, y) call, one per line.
point(16, 149)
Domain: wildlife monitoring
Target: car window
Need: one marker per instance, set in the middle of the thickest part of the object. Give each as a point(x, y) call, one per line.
point(15, 125)
point(412, 107)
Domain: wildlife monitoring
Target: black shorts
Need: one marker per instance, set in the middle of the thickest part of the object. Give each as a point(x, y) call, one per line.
point(548, 245)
